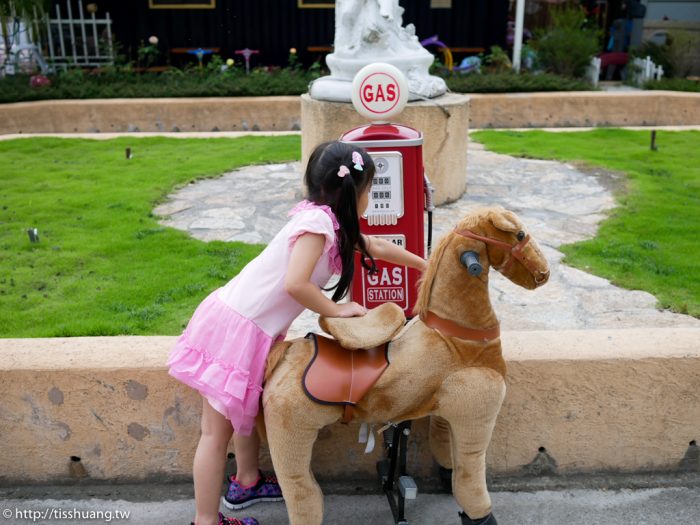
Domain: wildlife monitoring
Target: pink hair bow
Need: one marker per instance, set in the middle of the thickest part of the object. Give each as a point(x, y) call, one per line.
point(357, 161)
point(343, 171)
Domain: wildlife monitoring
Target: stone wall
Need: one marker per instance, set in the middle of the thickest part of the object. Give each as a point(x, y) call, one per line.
point(151, 114)
point(104, 408)
point(508, 110)
point(585, 109)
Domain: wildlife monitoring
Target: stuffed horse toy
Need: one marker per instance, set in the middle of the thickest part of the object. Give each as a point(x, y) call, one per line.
point(445, 363)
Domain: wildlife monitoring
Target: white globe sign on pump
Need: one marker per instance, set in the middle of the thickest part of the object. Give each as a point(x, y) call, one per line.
point(379, 92)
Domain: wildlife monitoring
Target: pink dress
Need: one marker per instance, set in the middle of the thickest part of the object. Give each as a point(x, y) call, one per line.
point(223, 350)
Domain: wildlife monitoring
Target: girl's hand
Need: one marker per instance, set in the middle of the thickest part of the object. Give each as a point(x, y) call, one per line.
point(351, 309)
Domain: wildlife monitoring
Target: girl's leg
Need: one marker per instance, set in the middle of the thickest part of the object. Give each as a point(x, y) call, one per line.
point(210, 464)
point(247, 449)
point(248, 487)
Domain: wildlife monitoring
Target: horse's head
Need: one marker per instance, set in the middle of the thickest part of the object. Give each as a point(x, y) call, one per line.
point(487, 237)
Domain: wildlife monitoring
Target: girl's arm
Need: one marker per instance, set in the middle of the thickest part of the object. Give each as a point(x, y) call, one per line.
point(388, 251)
point(306, 252)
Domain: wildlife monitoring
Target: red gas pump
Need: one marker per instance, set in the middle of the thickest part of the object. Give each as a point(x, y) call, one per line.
point(398, 195)
point(395, 211)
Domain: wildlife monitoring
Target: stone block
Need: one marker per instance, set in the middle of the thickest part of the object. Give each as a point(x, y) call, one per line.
point(592, 401)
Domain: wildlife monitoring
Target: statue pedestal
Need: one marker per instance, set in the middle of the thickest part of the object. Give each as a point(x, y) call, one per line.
point(444, 122)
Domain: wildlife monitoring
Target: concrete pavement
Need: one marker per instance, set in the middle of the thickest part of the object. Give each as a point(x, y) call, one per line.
point(174, 504)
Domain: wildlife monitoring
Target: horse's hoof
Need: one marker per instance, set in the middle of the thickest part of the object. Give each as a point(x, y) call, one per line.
point(486, 520)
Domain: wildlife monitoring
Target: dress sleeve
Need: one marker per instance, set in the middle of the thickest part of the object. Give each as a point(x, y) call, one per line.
point(313, 221)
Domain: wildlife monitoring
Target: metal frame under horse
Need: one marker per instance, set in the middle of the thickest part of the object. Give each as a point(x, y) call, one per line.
point(446, 363)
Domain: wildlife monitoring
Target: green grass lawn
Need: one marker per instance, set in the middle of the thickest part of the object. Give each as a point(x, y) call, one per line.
point(104, 266)
point(652, 240)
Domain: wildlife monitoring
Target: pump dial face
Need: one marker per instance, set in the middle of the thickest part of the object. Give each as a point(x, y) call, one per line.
point(386, 196)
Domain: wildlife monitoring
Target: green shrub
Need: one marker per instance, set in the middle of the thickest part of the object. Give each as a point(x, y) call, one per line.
point(683, 45)
point(511, 82)
point(124, 83)
point(147, 54)
point(675, 56)
point(566, 48)
point(497, 61)
point(659, 54)
point(674, 84)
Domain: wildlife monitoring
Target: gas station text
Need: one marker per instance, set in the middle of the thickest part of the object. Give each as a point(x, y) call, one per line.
point(385, 294)
point(383, 278)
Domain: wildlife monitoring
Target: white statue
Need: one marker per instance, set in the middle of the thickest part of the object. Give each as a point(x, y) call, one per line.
point(369, 31)
point(370, 26)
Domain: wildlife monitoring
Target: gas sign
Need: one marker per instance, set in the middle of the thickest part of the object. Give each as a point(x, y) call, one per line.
point(389, 283)
point(379, 91)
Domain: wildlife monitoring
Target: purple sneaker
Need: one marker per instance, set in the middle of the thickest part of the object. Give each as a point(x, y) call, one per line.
point(265, 488)
point(223, 520)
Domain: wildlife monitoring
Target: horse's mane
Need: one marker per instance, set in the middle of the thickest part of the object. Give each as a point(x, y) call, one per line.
point(426, 281)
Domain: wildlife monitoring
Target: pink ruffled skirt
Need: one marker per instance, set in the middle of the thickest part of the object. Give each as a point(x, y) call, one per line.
point(222, 355)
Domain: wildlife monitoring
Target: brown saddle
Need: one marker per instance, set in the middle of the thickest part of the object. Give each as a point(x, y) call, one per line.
point(339, 376)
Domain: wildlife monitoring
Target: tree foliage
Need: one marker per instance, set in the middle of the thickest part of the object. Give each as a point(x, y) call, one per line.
point(566, 48)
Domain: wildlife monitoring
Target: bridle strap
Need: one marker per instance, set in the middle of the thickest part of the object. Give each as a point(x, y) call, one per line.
point(451, 329)
point(515, 251)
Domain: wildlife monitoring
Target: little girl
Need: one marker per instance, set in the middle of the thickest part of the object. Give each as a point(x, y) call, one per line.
point(222, 351)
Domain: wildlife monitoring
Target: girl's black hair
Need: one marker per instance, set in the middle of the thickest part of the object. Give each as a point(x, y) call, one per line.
point(324, 186)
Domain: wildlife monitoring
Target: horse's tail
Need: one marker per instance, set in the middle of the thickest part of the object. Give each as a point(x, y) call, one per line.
point(274, 357)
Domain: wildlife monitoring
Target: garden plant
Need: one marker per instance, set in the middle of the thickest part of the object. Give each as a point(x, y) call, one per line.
point(566, 48)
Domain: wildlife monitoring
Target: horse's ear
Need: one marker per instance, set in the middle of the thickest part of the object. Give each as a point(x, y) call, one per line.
point(504, 220)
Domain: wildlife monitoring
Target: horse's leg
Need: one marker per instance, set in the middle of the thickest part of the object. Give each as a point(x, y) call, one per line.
point(439, 440)
point(292, 423)
point(470, 400)
point(290, 451)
